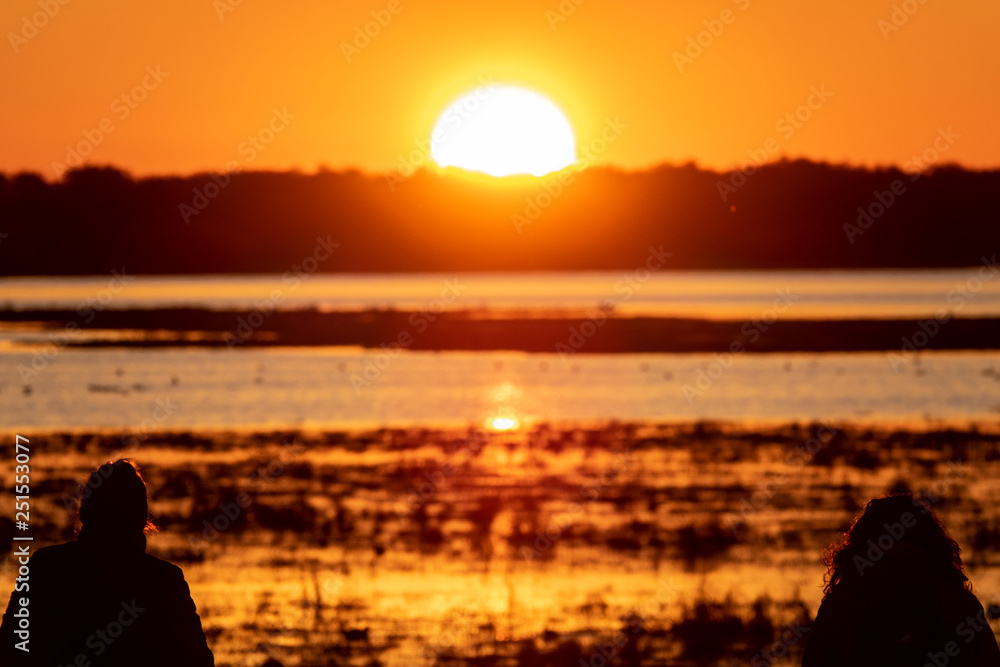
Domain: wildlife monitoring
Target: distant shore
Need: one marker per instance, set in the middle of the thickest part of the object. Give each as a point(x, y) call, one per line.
point(953, 437)
point(564, 333)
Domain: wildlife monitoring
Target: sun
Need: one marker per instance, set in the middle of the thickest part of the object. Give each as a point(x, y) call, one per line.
point(503, 130)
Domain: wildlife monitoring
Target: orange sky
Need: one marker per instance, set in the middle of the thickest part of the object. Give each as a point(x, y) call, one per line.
point(226, 75)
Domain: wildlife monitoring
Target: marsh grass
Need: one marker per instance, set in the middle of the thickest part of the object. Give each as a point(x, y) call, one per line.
point(406, 547)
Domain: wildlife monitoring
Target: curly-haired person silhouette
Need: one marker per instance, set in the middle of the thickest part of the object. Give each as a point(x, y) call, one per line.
point(897, 594)
point(102, 600)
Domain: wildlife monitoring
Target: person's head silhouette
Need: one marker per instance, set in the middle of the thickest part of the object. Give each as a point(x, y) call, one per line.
point(893, 529)
point(114, 505)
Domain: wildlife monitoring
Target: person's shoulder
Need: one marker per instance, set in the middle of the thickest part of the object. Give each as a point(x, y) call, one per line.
point(967, 600)
point(844, 597)
point(56, 553)
point(955, 599)
point(161, 568)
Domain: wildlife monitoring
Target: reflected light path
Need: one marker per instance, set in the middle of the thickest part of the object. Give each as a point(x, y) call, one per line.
point(504, 423)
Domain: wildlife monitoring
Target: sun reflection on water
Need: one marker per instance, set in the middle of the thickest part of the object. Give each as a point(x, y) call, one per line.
point(504, 423)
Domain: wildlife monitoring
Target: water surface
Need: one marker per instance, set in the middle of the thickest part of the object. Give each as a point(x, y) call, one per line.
point(323, 387)
point(705, 294)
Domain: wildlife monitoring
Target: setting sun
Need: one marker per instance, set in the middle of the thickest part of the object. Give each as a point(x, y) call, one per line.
point(481, 333)
point(502, 131)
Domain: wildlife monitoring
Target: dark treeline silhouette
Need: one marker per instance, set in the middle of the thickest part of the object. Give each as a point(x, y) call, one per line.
point(789, 214)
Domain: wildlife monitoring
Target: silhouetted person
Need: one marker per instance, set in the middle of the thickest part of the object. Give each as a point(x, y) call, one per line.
point(896, 594)
point(102, 600)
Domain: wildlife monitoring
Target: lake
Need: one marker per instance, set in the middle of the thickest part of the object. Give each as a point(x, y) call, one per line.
point(321, 388)
point(471, 508)
point(970, 292)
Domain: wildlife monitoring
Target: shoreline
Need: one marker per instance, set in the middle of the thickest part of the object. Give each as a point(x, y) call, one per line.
point(640, 430)
point(470, 331)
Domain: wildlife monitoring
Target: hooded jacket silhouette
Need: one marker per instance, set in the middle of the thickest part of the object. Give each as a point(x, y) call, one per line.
point(101, 600)
point(899, 597)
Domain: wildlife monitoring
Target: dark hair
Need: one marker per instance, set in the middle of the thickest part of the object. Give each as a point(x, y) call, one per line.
point(921, 528)
point(114, 501)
